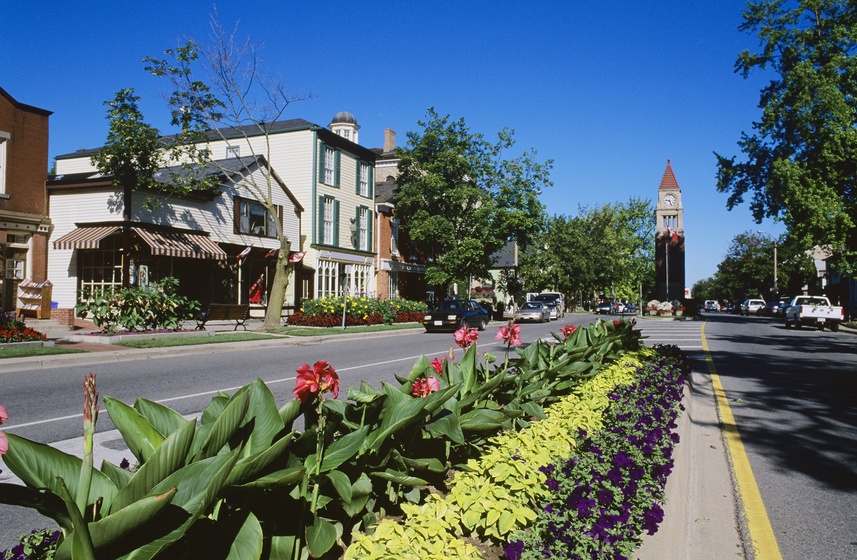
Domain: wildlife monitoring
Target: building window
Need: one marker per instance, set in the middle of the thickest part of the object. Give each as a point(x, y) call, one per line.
point(254, 218)
point(101, 269)
point(329, 165)
point(233, 151)
point(392, 284)
point(327, 238)
point(4, 142)
point(394, 237)
point(363, 228)
point(15, 269)
point(363, 179)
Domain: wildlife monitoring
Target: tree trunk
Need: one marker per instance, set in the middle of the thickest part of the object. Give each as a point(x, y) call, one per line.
point(278, 288)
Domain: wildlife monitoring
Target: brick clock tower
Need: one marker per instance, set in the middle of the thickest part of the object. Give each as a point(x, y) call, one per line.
point(669, 240)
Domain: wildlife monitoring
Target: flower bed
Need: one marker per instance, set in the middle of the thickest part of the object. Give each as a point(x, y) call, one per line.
point(13, 330)
point(328, 312)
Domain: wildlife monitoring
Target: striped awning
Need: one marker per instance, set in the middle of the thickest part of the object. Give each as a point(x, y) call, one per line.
point(85, 237)
point(181, 244)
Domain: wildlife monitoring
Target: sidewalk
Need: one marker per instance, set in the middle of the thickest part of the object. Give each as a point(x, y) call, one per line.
point(701, 511)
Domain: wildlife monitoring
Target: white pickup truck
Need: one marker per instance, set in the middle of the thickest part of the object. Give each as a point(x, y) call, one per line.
point(813, 311)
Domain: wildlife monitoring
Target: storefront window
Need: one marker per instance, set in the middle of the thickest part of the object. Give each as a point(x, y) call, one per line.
point(101, 269)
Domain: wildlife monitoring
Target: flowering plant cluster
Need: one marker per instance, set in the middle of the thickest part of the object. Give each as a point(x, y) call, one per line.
point(41, 543)
point(567, 330)
point(156, 307)
point(603, 498)
point(362, 310)
point(16, 331)
point(466, 337)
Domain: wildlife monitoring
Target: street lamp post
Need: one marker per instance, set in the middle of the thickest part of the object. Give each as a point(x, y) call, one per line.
point(774, 239)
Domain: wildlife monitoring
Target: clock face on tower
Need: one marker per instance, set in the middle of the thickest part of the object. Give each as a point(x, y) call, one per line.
point(669, 201)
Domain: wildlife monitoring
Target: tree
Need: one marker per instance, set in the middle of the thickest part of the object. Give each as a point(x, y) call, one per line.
point(217, 86)
point(607, 250)
point(801, 159)
point(461, 201)
point(132, 155)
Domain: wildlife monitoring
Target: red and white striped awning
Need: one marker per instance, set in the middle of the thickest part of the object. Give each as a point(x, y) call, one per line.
point(168, 243)
point(85, 237)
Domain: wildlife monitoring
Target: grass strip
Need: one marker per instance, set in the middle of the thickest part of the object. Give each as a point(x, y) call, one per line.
point(24, 352)
point(168, 341)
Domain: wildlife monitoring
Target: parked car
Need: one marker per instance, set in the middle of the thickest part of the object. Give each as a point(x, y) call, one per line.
point(533, 311)
point(452, 314)
point(732, 308)
point(553, 300)
point(711, 305)
point(774, 308)
point(814, 311)
point(604, 308)
point(752, 306)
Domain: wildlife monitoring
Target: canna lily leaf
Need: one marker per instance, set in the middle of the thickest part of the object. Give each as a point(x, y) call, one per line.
point(121, 526)
point(39, 465)
point(222, 428)
point(162, 418)
point(339, 451)
point(80, 540)
point(320, 536)
point(249, 467)
point(266, 419)
point(140, 436)
point(247, 544)
point(341, 483)
point(46, 503)
point(399, 477)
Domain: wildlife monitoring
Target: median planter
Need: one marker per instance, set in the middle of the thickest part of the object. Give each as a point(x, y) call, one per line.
point(31, 344)
point(117, 338)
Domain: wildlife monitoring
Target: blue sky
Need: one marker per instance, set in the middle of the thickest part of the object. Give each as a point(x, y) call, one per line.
point(608, 90)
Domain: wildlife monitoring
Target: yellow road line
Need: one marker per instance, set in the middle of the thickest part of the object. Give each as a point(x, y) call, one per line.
point(761, 533)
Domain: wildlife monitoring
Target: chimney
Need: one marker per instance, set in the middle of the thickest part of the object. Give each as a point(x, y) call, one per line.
point(389, 140)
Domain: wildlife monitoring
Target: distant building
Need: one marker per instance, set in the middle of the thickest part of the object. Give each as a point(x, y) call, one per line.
point(669, 239)
point(24, 224)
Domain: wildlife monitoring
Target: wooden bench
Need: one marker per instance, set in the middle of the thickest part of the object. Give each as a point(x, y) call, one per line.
point(238, 312)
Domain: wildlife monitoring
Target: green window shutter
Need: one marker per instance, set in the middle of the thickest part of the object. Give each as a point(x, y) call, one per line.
point(370, 240)
point(319, 235)
point(336, 157)
point(371, 181)
point(357, 178)
point(322, 148)
point(335, 223)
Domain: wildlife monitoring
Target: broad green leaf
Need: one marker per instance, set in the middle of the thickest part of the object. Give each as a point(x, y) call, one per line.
point(398, 417)
point(47, 503)
point(81, 541)
point(248, 467)
point(214, 409)
point(341, 483)
point(448, 425)
point(431, 464)
point(118, 526)
point(266, 419)
point(223, 427)
point(278, 479)
point(248, 543)
point(343, 449)
point(361, 491)
point(399, 477)
point(118, 476)
point(482, 420)
point(162, 418)
point(282, 547)
point(290, 412)
point(169, 457)
point(40, 465)
point(140, 436)
point(467, 367)
point(320, 536)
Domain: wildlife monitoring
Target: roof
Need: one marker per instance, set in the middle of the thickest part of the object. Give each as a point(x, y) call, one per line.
point(249, 131)
point(668, 181)
point(23, 107)
point(343, 117)
point(385, 191)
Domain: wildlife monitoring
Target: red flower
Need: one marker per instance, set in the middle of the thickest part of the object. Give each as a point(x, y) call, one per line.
point(465, 337)
point(4, 442)
point(616, 322)
point(318, 379)
point(568, 330)
point(511, 335)
point(423, 387)
point(437, 365)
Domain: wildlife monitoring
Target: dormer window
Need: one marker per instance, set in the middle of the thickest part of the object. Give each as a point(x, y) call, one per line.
point(233, 151)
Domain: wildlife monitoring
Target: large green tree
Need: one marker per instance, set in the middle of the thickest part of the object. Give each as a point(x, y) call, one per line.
point(461, 200)
point(220, 89)
point(606, 250)
point(800, 161)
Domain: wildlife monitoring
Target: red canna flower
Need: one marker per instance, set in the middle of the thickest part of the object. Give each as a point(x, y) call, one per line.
point(437, 365)
point(423, 387)
point(465, 337)
point(318, 379)
point(4, 442)
point(616, 322)
point(511, 335)
point(568, 330)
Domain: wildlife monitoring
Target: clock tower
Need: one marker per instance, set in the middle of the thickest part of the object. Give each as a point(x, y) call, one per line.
point(669, 240)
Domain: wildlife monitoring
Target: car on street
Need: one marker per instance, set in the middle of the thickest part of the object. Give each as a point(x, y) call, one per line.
point(604, 308)
point(553, 300)
point(452, 314)
point(752, 307)
point(711, 305)
point(535, 311)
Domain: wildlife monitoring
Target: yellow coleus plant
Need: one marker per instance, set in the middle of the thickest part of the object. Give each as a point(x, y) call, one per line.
point(498, 493)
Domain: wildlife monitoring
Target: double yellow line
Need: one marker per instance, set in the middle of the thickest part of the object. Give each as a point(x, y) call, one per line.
point(758, 525)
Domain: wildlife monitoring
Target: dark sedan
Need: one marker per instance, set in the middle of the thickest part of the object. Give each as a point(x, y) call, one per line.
point(452, 314)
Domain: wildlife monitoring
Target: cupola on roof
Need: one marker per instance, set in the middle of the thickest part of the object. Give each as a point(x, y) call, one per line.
point(343, 117)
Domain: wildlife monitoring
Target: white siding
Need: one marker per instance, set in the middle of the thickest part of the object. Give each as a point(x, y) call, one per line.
point(74, 165)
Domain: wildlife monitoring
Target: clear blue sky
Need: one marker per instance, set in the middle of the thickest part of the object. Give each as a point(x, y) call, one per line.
point(609, 90)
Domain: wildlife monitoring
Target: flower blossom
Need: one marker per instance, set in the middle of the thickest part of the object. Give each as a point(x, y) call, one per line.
point(511, 335)
point(437, 365)
point(423, 387)
point(319, 379)
point(568, 330)
point(4, 442)
point(616, 322)
point(465, 337)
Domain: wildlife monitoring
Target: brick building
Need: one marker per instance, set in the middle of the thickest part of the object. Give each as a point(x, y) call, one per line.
point(24, 224)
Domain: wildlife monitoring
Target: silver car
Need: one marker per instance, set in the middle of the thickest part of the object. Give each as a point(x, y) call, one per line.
point(533, 311)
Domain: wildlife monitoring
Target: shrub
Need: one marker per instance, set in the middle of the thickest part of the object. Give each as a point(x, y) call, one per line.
point(327, 312)
point(154, 308)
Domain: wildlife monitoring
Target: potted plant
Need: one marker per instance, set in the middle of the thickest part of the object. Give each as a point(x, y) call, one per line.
point(665, 308)
point(652, 307)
